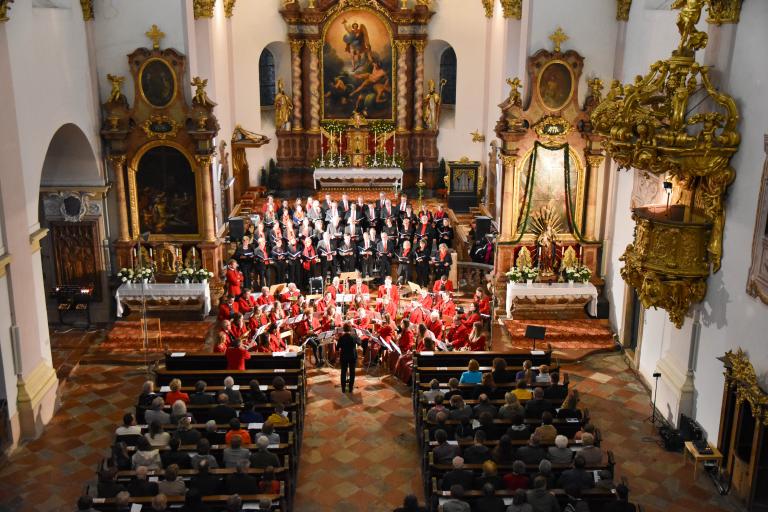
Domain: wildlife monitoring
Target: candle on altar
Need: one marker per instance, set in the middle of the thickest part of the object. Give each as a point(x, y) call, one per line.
point(579, 254)
point(322, 157)
point(135, 254)
point(150, 253)
point(394, 143)
point(421, 171)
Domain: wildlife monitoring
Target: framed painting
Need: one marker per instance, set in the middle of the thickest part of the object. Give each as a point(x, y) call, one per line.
point(158, 83)
point(164, 193)
point(555, 85)
point(357, 66)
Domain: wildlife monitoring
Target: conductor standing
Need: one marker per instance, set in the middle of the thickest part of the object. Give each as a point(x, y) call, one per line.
point(347, 347)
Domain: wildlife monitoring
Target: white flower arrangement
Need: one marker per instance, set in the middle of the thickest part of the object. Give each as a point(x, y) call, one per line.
point(578, 274)
point(529, 273)
point(126, 275)
point(514, 275)
point(144, 273)
point(202, 275)
point(185, 274)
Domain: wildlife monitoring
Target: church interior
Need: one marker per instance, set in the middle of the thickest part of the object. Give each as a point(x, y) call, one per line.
point(377, 255)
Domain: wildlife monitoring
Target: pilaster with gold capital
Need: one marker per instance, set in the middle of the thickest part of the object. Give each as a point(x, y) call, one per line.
point(402, 84)
point(296, 46)
point(204, 163)
point(314, 47)
point(622, 9)
point(203, 8)
point(594, 164)
point(418, 110)
point(510, 197)
point(118, 166)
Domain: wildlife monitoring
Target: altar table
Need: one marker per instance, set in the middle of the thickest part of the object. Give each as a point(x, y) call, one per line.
point(352, 173)
point(164, 292)
point(537, 290)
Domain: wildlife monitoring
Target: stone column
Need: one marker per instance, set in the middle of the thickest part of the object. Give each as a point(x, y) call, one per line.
point(314, 85)
point(509, 198)
point(418, 110)
point(118, 165)
point(204, 162)
point(402, 85)
point(296, 83)
point(594, 163)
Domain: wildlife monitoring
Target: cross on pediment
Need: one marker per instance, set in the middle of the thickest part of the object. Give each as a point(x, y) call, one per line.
point(155, 34)
point(559, 37)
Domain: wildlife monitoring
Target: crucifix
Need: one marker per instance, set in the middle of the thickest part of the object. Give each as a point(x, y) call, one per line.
point(558, 38)
point(155, 34)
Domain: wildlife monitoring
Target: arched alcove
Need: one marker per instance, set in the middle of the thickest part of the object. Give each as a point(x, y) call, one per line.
point(440, 63)
point(70, 160)
point(274, 64)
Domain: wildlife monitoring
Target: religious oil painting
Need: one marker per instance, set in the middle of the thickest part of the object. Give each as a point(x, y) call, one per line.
point(165, 185)
point(357, 67)
point(555, 85)
point(549, 183)
point(158, 83)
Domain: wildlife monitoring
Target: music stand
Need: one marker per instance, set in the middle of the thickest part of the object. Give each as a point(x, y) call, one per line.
point(535, 332)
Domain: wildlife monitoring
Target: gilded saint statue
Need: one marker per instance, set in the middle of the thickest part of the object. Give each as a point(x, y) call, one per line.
point(201, 97)
point(431, 107)
point(545, 226)
point(116, 94)
point(283, 106)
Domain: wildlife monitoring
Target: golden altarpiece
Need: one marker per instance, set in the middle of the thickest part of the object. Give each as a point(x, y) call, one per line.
point(161, 149)
point(551, 212)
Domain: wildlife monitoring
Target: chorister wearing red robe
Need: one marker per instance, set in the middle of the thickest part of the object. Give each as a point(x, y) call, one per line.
point(227, 311)
point(442, 287)
point(236, 357)
point(483, 306)
point(234, 280)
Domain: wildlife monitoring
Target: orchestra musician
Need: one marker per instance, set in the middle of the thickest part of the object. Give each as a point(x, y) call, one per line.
point(359, 287)
point(228, 308)
point(477, 341)
point(443, 284)
point(233, 279)
point(247, 302)
point(482, 302)
point(225, 336)
point(388, 290)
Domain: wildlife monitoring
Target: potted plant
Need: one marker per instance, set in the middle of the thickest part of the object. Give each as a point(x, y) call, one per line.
point(579, 274)
point(144, 273)
point(202, 275)
point(126, 275)
point(185, 275)
point(514, 275)
point(529, 274)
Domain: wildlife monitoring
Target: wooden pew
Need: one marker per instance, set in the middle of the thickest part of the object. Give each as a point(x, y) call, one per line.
point(218, 361)
point(514, 357)
point(217, 502)
point(242, 377)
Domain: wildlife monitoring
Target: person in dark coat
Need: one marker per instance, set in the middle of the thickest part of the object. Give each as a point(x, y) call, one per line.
point(347, 347)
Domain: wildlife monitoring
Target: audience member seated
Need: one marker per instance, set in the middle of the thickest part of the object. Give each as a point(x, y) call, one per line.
point(500, 373)
point(269, 484)
point(455, 503)
point(489, 502)
point(205, 483)
point(156, 436)
point(280, 395)
point(200, 397)
point(504, 452)
point(146, 456)
point(487, 386)
point(268, 431)
point(123, 502)
point(453, 388)
point(156, 412)
point(573, 500)
point(108, 486)
point(129, 426)
point(193, 500)
point(570, 406)
point(279, 417)
point(518, 430)
point(444, 453)
point(255, 394)
point(85, 503)
point(555, 389)
point(540, 499)
point(489, 475)
point(185, 433)
point(147, 395)
point(235, 429)
point(545, 471)
point(262, 457)
point(211, 432)
point(240, 482)
point(622, 503)
point(532, 453)
point(222, 412)
point(525, 372)
point(235, 453)
point(538, 405)
point(543, 376)
point(560, 453)
point(473, 375)
point(433, 392)
point(511, 407)
point(232, 393)
point(576, 476)
point(546, 431)
point(487, 426)
point(411, 504)
point(521, 390)
point(250, 415)
point(484, 405)
point(172, 484)
point(459, 409)
point(591, 454)
point(517, 479)
point(178, 411)
point(477, 453)
point(458, 475)
point(204, 454)
point(120, 458)
point(159, 503)
point(174, 456)
point(175, 393)
point(587, 428)
point(436, 409)
point(140, 486)
point(520, 502)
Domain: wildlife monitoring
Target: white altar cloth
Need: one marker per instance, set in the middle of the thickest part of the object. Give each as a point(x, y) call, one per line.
point(345, 173)
point(577, 290)
point(164, 291)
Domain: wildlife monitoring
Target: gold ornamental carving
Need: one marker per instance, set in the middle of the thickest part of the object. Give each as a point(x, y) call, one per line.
point(558, 38)
point(512, 9)
point(654, 125)
point(87, 7)
point(203, 8)
point(155, 35)
point(159, 126)
point(314, 46)
point(724, 11)
point(743, 378)
point(622, 9)
point(5, 6)
point(488, 6)
point(552, 129)
point(229, 7)
point(296, 45)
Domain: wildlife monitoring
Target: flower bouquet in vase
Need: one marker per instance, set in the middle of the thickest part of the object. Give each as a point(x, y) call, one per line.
point(185, 275)
point(578, 274)
point(529, 274)
point(514, 275)
point(144, 274)
point(202, 275)
point(126, 275)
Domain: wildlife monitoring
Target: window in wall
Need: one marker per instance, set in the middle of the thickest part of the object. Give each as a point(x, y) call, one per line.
point(448, 73)
point(267, 78)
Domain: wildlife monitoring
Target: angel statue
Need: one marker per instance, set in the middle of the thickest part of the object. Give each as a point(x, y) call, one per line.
point(381, 142)
point(283, 106)
point(431, 107)
point(201, 97)
point(358, 45)
point(332, 139)
point(514, 92)
point(116, 95)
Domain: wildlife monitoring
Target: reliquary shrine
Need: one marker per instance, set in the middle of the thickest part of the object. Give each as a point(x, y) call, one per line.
point(160, 147)
point(551, 212)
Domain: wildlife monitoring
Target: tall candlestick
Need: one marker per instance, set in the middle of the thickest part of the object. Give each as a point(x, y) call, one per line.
point(322, 157)
point(421, 171)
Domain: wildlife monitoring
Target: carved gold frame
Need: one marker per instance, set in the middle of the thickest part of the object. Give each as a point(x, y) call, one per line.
point(133, 169)
point(570, 92)
point(581, 177)
point(340, 10)
point(173, 74)
point(757, 280)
